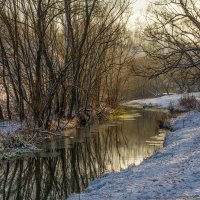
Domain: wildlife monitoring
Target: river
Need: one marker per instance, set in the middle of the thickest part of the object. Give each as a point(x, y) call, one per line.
point(69, 163)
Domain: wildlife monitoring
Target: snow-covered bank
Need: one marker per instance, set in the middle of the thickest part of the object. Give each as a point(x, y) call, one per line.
point(164, 101)
point(172, 173)
point(7, 127)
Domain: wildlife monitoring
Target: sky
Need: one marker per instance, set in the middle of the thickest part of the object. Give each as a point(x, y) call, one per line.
point(139, 8)
point(140, 4)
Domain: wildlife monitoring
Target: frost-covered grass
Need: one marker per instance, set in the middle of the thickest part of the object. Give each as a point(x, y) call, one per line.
point(9, 127)
point(15, 153)
point(172, 173)
point(13, 143)
point(164, 101)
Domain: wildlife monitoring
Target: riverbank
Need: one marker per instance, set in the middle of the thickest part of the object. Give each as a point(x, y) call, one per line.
point(172, 173)
point(164, 101)
point(18, 141)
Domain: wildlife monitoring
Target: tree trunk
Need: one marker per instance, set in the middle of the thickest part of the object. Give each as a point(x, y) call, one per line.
point(1, 114)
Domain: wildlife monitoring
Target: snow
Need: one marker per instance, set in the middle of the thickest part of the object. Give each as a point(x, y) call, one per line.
point(171, 173)
point(8, 127)
point(162, 102)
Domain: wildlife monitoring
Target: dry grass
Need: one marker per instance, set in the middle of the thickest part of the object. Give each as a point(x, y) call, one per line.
point(189, 102)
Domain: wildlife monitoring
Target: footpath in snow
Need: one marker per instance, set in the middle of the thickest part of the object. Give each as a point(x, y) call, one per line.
point(172, 173)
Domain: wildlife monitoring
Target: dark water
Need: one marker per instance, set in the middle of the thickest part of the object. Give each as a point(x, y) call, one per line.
point(69, 164)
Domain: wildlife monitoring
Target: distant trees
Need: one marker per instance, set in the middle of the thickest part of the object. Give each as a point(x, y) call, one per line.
point(57, 58)
point(172, 40)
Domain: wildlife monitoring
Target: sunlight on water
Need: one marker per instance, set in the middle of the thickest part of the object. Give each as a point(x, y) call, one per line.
point(68, 164)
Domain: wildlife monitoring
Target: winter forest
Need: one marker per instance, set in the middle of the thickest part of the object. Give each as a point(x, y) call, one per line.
point(61, 59)
point(100, 84)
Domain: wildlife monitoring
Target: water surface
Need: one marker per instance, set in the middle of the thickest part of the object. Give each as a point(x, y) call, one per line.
point(68, 164)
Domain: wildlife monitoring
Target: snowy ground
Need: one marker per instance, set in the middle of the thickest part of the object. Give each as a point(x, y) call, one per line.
point(164, 101)
point(172, 173)
point(8, 127)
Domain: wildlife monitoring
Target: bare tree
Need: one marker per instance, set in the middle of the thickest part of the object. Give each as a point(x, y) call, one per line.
point(173, 36)
point(55, 55)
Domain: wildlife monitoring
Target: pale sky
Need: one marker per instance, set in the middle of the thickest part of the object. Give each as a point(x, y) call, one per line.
point(139, 8)
point(141, 4)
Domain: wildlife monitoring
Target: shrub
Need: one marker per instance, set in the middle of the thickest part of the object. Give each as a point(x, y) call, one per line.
point(163, 120)
point(188, 102)
point(171, 107)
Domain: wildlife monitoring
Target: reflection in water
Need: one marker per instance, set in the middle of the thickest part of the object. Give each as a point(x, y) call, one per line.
point(68, 165)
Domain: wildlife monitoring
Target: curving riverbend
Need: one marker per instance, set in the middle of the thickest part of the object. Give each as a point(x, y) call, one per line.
point(68, 164)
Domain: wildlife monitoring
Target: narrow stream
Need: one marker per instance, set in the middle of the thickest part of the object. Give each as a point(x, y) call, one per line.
point(69, 164)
